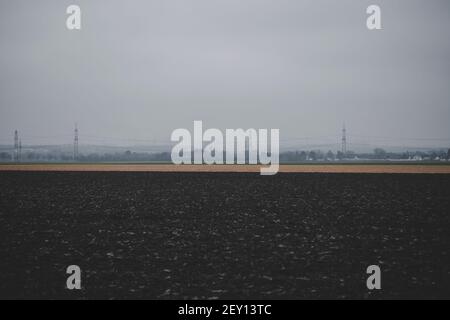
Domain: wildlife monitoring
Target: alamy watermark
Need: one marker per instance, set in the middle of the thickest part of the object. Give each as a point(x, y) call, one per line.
point(374, 280)
point(236, 146)
point(374, 19)
point(74, 280)
point(73, 21)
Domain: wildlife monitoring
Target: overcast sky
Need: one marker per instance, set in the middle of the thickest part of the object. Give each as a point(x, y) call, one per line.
point(140, 69)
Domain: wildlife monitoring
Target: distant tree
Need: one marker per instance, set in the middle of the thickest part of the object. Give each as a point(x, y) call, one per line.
point(320, 155)
point(66, 157)
point(340, 155)
point(5, 156)
point(31, 156)
point(312, 156)
point(380, 153)
point(330, 155)
point(288, 156)
point(433, 155)
point(448, 154)
point(93, 157)
point(303, 155)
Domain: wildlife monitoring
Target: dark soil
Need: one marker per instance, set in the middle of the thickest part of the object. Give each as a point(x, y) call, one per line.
point(224, 235)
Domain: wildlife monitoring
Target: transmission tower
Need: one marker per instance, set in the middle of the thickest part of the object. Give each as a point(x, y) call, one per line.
point(75, 144)
point(16, 146)
point(20, 150)
point(344, 140)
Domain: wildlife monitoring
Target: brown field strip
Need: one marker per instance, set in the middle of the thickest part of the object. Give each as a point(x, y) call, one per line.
point(327, 168)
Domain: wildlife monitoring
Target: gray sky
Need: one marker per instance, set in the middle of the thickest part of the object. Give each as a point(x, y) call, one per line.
point(140, 69)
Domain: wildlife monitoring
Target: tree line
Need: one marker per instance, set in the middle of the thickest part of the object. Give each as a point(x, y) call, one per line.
point(289, 156)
